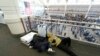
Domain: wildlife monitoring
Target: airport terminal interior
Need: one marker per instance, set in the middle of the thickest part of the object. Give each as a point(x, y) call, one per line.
point(21, 21)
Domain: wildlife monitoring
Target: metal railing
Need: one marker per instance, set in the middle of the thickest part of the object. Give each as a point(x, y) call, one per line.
point(56, 26)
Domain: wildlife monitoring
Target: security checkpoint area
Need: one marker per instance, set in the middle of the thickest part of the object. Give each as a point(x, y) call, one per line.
point(50, 28)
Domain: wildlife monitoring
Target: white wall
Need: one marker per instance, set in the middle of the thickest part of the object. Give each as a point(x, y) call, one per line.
point(10, 8)
point(11, 13)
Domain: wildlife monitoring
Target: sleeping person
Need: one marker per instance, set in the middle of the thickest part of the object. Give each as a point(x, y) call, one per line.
point(61, 43)
point(41, 44)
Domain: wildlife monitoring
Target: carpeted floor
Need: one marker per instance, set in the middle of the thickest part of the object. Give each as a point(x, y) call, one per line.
point(10, 45)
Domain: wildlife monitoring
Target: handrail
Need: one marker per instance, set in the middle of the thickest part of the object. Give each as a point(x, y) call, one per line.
point(59, 20)
point(45, 21)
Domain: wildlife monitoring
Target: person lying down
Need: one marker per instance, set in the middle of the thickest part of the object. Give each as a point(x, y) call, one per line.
point(45, 44)
point(61, 42)
point(41, 44)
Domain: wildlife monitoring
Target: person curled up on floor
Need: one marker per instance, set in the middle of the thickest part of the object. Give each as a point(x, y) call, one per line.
point(62, 43)
point(41, 44)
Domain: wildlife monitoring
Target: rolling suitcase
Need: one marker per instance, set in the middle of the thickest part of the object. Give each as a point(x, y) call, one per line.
point(26, 39)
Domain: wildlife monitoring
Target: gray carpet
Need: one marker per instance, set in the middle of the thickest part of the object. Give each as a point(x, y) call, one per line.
point(10, 45)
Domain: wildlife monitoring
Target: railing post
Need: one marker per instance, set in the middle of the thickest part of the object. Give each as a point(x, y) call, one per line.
point(29, 20)
point(23, 24)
